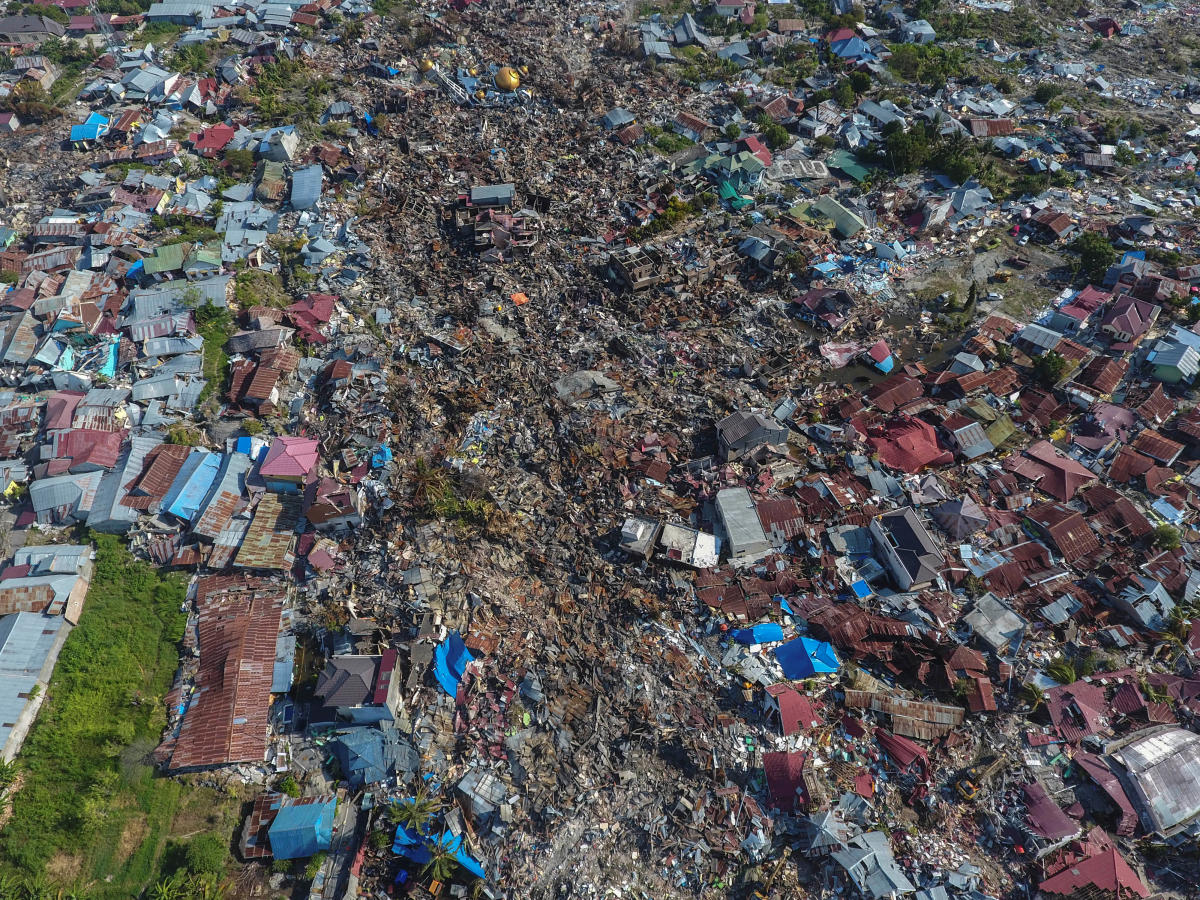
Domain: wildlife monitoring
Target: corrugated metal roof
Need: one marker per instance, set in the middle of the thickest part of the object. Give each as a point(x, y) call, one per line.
point(27, 642)
point(306, 186)
point(227, 715)
point(268, 543)
point(192, 484)
point(224, 496)
point(108, 513)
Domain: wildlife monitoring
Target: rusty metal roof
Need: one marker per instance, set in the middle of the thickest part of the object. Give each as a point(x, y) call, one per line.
point(268, 543)
point(227, 715)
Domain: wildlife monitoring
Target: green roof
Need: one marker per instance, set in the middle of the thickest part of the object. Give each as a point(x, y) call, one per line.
point(847, 223)
point(1000, 430)
point(167, 259)
point(847, 163)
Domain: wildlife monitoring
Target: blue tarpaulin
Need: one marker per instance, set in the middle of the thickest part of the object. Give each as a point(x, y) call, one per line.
point(414, 846)
point(450, 659)
point(302, 829)
point(805, 657)
point(185, 498)
point(381, 457)
point(764, 633)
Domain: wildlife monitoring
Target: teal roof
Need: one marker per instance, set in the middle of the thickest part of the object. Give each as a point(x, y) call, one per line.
point(302, 828)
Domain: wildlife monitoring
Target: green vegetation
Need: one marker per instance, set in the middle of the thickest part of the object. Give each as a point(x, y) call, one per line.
point(57, 13)
point(695, 66)
point(931, 64)
point(215, 325)
point(184, 435)
point(1166, 537)
point(314, 866)
point(1096, 254)
point(1062, 671)
point(206, 855)
point(286, 91)
point(795, 62)
point(1047, 91)
point(677, 211)
point(666, 141)
point(123, 7)
point(260, 287)
point(1049, 368)
point(88, 791)
point(290, 786)
point(776, 136)
point(160, 34)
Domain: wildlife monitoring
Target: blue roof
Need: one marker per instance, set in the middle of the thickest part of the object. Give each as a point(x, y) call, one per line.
point(414, 846)
point(306, 186)
point(805, 657)
point(26, 639)
point(95, 126)
point(861, 589)
point(186, 495)
point(854, 47)
point(763, 633)
point(370, 754)
point(302, 829)
point(450, 659)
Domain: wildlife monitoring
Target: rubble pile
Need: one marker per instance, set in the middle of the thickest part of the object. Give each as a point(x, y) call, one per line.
point(725, 450)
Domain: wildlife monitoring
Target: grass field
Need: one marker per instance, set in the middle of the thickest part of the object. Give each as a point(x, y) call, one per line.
point(91, 812)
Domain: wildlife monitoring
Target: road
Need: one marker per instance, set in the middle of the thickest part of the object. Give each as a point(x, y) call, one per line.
point(345, 844)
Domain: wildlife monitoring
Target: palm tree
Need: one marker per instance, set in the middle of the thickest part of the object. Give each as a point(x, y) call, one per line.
point(1034, 696)
point(442, 863)
point(36, 887)
point(417, 812)
point(9, 887)
point(167, 889)
point(1062, 671)
point(429, 482)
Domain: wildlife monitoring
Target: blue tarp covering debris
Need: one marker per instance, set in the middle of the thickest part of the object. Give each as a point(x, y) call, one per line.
point(450, 660)
point(415, 847)
point(381, 457)
point(805, 657)
point(190, 488)
point(764, 633)
point(300, 830)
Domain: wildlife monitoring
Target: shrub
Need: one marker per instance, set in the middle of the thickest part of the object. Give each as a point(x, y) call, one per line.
point(206, 855)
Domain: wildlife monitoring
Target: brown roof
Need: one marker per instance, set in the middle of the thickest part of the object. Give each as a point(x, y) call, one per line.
point(1066, 529)
point(1157, 447)
point(227, 716)
point(1103, 374)
point(984, 128)
point(159, 469)
point(268, 543)
point(895, 391)
point(1129, 464)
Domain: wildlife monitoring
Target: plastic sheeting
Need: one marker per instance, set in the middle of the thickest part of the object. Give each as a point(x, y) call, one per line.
point(450, 660)
point(416, 847)
point(764, 633)
point(805, 657)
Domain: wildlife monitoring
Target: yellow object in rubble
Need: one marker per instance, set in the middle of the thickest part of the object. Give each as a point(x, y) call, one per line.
point(426, 65)
point(507, 79)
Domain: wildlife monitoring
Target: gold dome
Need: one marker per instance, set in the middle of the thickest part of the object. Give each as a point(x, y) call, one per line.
point(507, 79)
point(426, 65)
point(524, 70)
